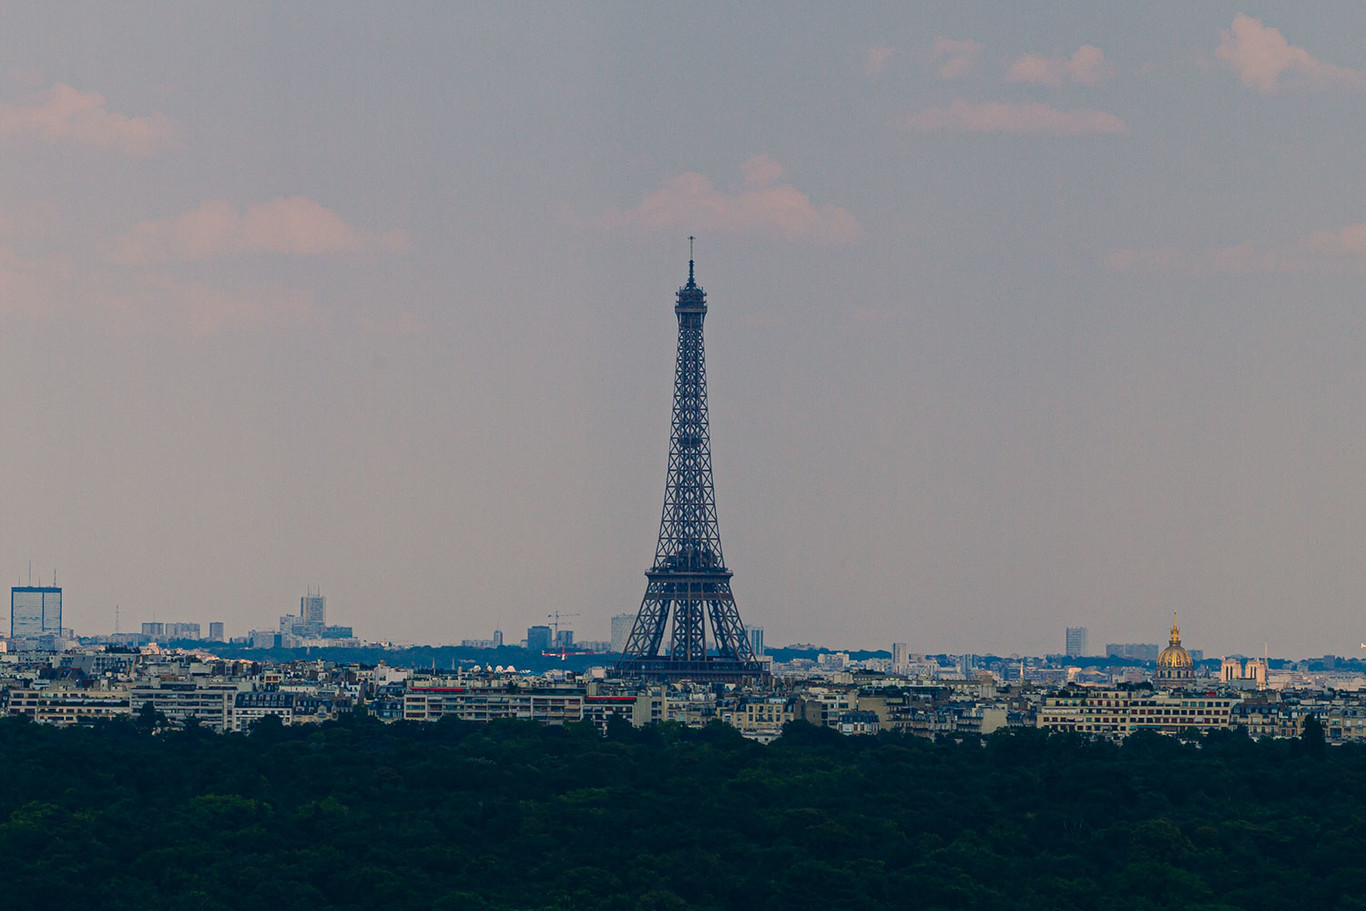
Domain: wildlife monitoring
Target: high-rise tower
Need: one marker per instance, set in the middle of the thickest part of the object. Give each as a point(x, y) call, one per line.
point(689, 583)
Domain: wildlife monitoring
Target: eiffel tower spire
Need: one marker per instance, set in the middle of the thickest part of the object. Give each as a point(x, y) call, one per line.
point(689, 582)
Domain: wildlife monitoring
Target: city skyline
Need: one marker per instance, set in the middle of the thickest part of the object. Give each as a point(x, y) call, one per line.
point(1020, 318)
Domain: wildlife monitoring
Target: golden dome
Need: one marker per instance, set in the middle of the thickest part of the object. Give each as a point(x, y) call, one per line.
point(1174, 656)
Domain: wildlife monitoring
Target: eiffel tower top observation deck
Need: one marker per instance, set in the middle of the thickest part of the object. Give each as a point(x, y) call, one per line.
point(688, 587)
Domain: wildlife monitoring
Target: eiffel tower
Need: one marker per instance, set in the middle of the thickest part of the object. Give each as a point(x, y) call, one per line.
point(689, 583)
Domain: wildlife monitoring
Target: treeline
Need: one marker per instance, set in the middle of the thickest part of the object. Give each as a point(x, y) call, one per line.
point(437, 658)
point(357, 814)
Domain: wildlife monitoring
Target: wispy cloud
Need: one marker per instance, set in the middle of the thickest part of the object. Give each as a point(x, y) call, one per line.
point(955, 58)
point(1087, 66)
point(65, 115)
point(999, 117)
point(762, 205)
point(1327, 251)
point(875, 59)
point(1261, 55)
point(158, 300)
point(31, 288)
point(291, 225)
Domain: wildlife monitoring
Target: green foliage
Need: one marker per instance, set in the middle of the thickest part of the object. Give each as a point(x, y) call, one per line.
point(358, 814)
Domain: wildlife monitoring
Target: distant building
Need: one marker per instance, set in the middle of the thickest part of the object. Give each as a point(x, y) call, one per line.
point(1233, 673)
point(1135, 651)
point(313, 608)
point(1115, 714)
point(154, 629)
point(564, 638)
point(209, 702)
point(216, 631)
point(901, 656)
point(538, 638)
point(497, 638)
point(756, 639)
point(621, 631)
point(1175, 668)
point(35, 611)
point(1076, 641)
point(182, 630)
point(264, 638)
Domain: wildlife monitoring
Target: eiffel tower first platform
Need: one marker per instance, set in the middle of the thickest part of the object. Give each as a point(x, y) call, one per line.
point(689, 584)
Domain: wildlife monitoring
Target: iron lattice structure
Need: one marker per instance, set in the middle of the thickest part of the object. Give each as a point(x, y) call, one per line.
point(689, 584)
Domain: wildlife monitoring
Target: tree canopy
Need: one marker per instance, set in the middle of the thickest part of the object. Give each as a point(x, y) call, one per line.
point(513, 815)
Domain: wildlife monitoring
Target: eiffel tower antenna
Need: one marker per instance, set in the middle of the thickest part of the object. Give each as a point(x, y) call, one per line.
point(689, 583)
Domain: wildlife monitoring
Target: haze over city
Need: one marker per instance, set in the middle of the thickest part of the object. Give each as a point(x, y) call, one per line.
point(1021, 318)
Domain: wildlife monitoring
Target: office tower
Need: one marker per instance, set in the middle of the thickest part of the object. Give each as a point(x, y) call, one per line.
point(216, 631)
point(182, 630)
point(1076, 641)
point(538, 638)
point(901, 656)
point(621, 630)
point(313, 608)
point(35, 610)
point(756, 640)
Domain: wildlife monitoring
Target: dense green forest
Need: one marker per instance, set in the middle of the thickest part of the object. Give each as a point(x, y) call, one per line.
point(356, 814)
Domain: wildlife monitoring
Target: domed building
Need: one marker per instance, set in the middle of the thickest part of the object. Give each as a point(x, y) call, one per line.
point(1174, 666)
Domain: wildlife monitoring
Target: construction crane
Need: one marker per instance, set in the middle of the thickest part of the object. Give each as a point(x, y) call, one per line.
point(555, 618)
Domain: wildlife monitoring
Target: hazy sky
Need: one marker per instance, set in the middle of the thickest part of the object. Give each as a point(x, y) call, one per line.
point(1022, 315)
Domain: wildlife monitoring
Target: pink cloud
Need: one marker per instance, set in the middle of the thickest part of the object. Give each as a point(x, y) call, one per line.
point(1348, 241)
point(761, 206)
point(31, 288)
point(65, 115)
point(955, 58)
point(291, 225)
point(1342, 250)
point(875, 59)
point(1261, 54)
point(998, 117)
point(1086, 66)
point(160, 299)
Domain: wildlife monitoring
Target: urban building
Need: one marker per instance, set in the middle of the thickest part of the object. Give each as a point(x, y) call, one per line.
point(210, 702)
point(313, 608)
point(1175, 667)
point(621, 630)
point(1114, 714)
point(1076, 641)
point(181, 630)
point(548, 705)
point(64, 705)
point(756, 640)
point(538, 638)
point(250, 707)
point(35, 610)
point(1136, 651)
point(1232, 672)
point(901, 657)
point(216, 631)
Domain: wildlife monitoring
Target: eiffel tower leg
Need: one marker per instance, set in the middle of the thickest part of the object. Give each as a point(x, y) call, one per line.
point(647, 633)
point(731, 640)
